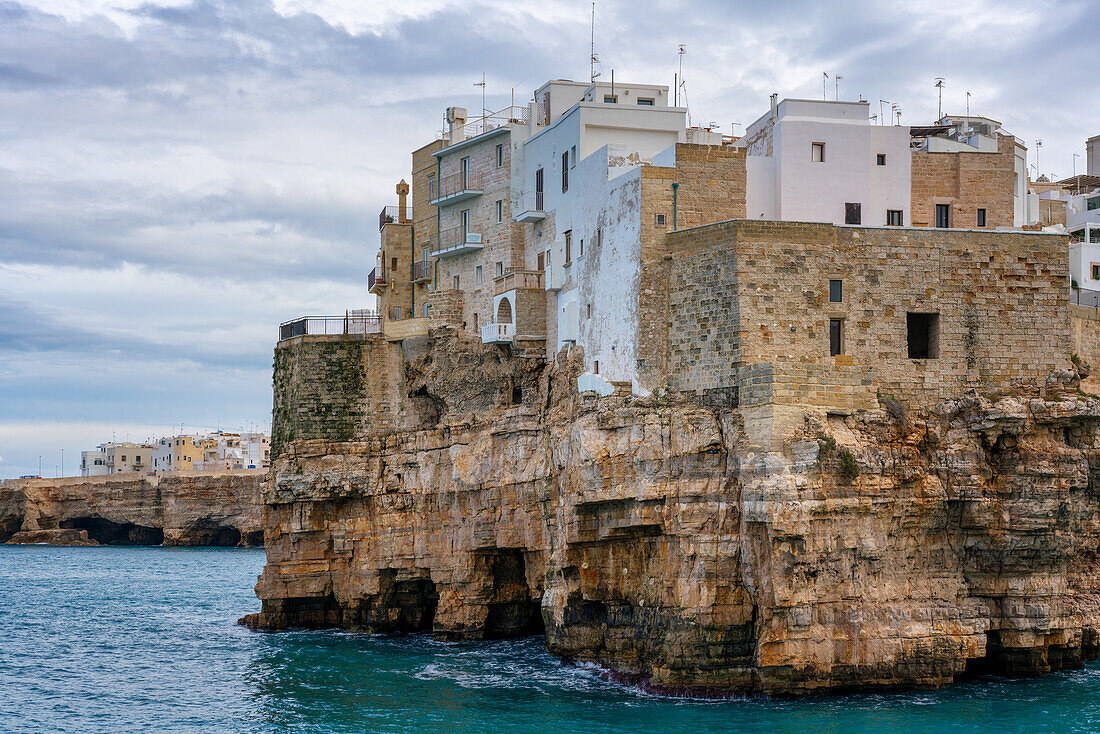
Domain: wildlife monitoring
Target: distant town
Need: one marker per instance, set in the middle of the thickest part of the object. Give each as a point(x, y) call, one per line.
point(218, 451)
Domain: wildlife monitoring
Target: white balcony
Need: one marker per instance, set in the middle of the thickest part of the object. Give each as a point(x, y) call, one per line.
point(455, 241)
point(531, 207)
point(494, 333)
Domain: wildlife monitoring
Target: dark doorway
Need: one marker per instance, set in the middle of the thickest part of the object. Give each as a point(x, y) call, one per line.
point(923, 335)
point(512, 611)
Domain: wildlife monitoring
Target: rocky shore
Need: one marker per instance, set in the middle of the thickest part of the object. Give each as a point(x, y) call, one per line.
point(130, 509)
point(901, 546)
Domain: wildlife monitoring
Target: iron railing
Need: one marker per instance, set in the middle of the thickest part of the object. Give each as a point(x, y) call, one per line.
point(352, 322)
point(507, 116)
point(376, 277)
point(457, 183)
point(421, 271)
point(388, 215)
point(454, 238)
point(1085, 297)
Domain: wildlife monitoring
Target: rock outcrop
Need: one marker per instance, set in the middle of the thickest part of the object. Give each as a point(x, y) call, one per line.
point(131, 509)
point(903, 546)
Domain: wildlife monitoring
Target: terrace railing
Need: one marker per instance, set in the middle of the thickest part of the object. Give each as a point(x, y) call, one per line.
point(351, 323)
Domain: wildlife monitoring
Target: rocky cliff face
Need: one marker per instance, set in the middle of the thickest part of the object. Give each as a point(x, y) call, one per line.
point(890, 547)
point(133, 510)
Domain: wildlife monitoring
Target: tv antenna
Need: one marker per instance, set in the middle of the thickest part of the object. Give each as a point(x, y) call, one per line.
point(836, 81)
point(881, 115)
point(681, 49)
point(481, 84)
point(593, 57)
point(824, 83)
point(939, 86)
point(1038, 145)
point(968, 104)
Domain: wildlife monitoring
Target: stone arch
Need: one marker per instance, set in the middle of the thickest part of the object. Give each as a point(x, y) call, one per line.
point(504, 311)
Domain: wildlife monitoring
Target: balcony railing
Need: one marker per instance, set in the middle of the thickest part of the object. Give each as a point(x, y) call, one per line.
point(531, 207)
point(515, 278)
point(389, 215)
point(376, 277)
point(421, 271)
point(455, 241)
point(494, 333)
point(352, 322)
point(507, 116)
point(457, 187)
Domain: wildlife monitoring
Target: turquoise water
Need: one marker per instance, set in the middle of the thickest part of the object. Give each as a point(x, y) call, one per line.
point(144, 639)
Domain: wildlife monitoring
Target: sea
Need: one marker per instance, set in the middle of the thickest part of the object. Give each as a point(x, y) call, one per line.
point(144, 639)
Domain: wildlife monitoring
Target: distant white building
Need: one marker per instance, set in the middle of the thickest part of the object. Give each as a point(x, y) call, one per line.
point(116, 458)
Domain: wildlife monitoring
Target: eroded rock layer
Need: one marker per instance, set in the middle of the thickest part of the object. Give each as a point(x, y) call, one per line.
point(221, 510)
point(889, 547)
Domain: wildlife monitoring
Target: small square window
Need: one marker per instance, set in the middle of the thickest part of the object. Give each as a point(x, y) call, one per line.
point(1096, 271)
point(880, 159)
point(836, 291)
point(943, 216)
point(500, 268)
point(659, 220)
point(923, 335)
point(817, 152)
point(644, 102)
point(981, 217)
point(610, 99)
point(852, 213)
point(893, 217)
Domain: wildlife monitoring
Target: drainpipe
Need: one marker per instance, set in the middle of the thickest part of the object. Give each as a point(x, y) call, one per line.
point(674, 204)
point(412, 259)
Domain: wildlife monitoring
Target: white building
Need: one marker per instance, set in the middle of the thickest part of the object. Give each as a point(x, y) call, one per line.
point(116, 458)
point(819, 161)
point(1092, 156)
point(94, 463)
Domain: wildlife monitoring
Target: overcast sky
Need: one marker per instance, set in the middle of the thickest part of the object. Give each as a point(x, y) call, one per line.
point(176, 178)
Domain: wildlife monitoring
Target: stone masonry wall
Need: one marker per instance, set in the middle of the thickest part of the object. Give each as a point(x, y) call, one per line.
point(334, 388)
point(967, 181)
point(1085, 328)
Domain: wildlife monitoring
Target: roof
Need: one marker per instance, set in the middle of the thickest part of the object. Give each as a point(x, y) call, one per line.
point(1080, 184)
point(924, 131)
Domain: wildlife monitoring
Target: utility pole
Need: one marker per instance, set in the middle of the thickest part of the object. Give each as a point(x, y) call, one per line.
point(680, 75)
point(939, 86)
point(824, 85)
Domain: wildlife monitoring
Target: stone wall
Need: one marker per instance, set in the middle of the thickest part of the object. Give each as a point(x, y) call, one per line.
point(335, 388)
point(749, 292)
point(966, 181)
point(1085, 328)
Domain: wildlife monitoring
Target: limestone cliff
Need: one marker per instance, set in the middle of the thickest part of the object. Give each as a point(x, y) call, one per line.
point(887, 547)
point(131, 509)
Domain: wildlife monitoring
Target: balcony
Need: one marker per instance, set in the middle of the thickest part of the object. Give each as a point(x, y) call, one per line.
point(531, 208)
point(389, 215)
point(377, 278)
point(456, 188)
point(455, 241)
point(422, 271)
point(494, 333)
point(513, 279)
point(351, 323)
point(513, 115)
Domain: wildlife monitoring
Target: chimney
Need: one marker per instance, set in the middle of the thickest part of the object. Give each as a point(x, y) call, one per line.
point(402, 202)
point(456, 121)
point(775, 104)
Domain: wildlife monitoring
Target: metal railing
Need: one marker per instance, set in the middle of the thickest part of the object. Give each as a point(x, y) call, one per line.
point(1085, 297)
point(421, 271)
point(388, 215)
point(457, 183)
point(352, 322)
point(532, 201)
point(508, 116)
point(376, 277)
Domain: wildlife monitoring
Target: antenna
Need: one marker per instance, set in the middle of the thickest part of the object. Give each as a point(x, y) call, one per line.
point(968, 104)
point(680, 51)
point(836, 80)
point(824, 81)
point(1075, 157)
point(897, 111)
point(1038, 145)
point(881, 116)
point(593, 58)
point(481, 84)
point(939, 86)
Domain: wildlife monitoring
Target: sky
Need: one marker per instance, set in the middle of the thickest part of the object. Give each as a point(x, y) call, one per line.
point(178, 177)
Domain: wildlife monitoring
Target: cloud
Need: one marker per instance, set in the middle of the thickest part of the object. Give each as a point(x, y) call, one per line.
point(179, 176)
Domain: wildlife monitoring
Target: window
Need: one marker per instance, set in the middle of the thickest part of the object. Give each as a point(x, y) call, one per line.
point(943, 216)
point(500, 210)
point(1096, 271)
point(981, 217)
point(580, 250)
point(542, 262)
point(477, 274)
point(500, 268)
point(880, 159)
point(517, 395)
point(852, 213)
point(431, 187)
point(644, 102)
point(456, 282)
point(836, 291)
point(893, 217)
point(395, 313)
point(465, 172)
point(500, 155)
point(659, 220)
point(610, 99)
point(817, 152)
point(588, 310)
point(565, 171)
point(475, 320)
point(538, 190)
point(1093, 203)
point(923, 335)
point(836, 337)
point(572, 156)
point(599, 236)
point(465, 224)
point(427, 307)
point(393, 264)
point(569, 247)
point(596, 368)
